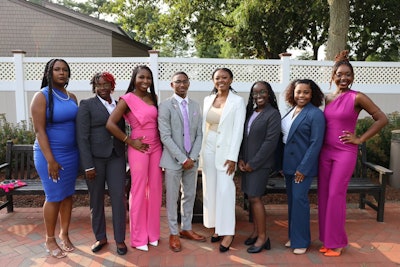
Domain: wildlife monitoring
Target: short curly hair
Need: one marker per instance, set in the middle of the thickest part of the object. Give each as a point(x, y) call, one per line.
point(317, 96)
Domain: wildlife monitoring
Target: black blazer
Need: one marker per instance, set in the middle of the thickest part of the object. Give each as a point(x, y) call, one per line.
point(94, 140)
point(258, 147)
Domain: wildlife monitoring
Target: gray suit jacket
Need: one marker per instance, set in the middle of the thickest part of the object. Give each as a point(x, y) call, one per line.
point(170, 125)
point(94, 140)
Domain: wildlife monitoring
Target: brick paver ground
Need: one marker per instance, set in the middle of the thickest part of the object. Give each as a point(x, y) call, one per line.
point(371, 243)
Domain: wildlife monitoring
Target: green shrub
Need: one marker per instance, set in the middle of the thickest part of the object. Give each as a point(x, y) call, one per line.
point(378, 147)
point(21, 133)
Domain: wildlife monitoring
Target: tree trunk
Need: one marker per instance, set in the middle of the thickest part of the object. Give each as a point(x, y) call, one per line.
point(339, 15)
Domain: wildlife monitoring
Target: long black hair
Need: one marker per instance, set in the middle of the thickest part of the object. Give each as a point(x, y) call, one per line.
point(47, 80)
point(271, 98)
point(132, 83)
point(214, 90)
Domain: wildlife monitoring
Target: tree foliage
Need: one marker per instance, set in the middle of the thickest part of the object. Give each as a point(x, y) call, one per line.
point(252, 28)
point(375, 30)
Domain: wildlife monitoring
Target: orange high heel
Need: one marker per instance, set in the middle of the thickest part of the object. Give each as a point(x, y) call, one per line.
point(323, 249)
point(333, 253)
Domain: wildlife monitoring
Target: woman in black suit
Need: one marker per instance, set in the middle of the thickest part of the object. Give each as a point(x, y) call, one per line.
point(103, 159)
point(256, 158)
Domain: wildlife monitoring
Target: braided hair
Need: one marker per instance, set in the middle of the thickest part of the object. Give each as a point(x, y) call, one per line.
point(271, 98)
point(108, 77)
point(132, 83)
point(47, 80)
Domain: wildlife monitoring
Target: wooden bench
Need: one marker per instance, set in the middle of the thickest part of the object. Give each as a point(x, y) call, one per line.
point(368, 179)
point(19, 165)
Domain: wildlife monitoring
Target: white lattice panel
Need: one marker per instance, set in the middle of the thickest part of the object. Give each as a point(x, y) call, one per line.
point(203, 72)
point(85, 71)
point(377, 75)
point(7, 72)
point(319, 74)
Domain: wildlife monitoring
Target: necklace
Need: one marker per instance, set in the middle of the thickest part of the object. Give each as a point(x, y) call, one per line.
point(60, 97)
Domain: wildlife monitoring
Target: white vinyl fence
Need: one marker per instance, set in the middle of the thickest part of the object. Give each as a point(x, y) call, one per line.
point(20, 77)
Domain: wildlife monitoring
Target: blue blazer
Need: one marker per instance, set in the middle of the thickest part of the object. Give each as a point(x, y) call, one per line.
point(304, 142)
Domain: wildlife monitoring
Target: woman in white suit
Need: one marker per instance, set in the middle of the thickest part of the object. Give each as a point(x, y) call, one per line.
point(223, 121)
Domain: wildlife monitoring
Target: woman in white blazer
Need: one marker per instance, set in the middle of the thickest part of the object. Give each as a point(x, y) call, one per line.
point(223, 121)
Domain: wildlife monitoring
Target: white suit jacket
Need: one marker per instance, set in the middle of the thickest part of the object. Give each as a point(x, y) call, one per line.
point(230, 128)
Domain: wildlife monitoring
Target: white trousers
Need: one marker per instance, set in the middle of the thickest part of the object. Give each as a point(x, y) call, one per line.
point(218, 192)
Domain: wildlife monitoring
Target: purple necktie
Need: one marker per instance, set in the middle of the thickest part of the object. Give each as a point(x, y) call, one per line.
point(186, 131)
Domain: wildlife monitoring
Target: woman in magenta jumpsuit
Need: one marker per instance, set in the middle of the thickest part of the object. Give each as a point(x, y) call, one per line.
point(339, 153)
point(139, 108)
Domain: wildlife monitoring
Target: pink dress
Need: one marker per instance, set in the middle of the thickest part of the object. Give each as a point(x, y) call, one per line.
point(336, 166)
point(146, 176)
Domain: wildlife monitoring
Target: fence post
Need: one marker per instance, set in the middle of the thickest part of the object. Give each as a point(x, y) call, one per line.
point(154, 69)
point(285, 80)
point(20, 94)
point(394, 180)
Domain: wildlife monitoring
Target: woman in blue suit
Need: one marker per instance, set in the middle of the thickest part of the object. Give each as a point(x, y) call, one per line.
point(303, 129)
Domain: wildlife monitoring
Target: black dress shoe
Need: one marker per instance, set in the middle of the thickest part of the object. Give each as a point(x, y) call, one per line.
point(225, 249)
point(98, 246)
point(254, 249)
point(250, 241)
point(215, 239)
point(123, 250)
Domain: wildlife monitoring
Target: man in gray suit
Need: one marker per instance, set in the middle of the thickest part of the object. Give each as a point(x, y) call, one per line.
point(179, 123)
point(103, 159)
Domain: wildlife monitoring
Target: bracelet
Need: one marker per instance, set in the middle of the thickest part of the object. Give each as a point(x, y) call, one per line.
point(126, 137)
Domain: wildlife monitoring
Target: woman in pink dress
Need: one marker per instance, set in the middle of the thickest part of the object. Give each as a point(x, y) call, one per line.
point(139, 108)
point(339, 153)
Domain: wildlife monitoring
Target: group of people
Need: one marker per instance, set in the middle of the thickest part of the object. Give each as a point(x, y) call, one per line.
point(177, 136)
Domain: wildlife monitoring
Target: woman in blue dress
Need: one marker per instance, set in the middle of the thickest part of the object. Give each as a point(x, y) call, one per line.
point(56, 156)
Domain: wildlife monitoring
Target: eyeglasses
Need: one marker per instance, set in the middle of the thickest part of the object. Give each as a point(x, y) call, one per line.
point(262, 92)
point(103, 85)
point(185, 82)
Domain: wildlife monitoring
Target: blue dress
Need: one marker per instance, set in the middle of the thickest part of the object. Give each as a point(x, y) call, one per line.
point(62, 140)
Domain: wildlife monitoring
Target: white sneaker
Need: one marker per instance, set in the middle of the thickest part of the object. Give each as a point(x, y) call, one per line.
point(143, 248)
point(288, 244)
point(299, 251)
point(154, 243)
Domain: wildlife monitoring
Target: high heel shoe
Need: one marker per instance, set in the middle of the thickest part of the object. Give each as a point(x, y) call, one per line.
point(333, 253)
point(55, 253)
point(225, 249)
point(250, 241)
point(66, 245)
point(215, 239)
point(266, 246)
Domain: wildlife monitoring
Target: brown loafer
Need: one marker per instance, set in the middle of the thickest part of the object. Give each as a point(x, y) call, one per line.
point(192, 235)
point(175, 243)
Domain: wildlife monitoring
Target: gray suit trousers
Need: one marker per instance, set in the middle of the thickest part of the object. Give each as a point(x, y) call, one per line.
point(175, 180)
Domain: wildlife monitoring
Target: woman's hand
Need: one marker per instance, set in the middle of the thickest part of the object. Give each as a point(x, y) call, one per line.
point(349, 137)
point(241, 165)
point(298, 177)
point(248, 168)
point(230, 166)
point(138, 144)
point(90, 174)
point(53, 168)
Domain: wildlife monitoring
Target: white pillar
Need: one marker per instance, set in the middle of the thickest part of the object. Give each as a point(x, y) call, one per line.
point(20, 94)
point(285, 80)
point(154, 69)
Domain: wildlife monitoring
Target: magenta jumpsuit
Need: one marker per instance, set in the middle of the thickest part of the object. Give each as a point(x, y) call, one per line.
point(336, 166)
point(146, 176)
